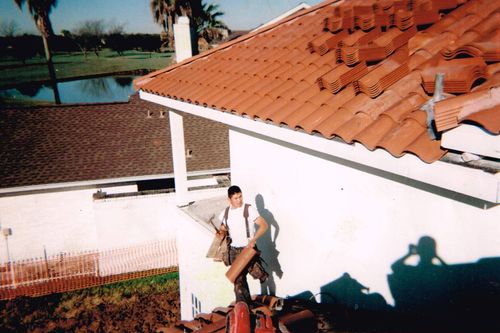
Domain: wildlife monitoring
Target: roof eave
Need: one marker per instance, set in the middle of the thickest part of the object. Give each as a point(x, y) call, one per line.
point(450, 177)
point(120, 181)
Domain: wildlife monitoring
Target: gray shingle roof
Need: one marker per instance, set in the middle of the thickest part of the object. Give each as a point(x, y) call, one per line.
point(69, 143)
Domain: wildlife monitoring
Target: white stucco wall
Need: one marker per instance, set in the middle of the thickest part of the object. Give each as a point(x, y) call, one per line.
point(71, 220)
point(335, 217)
point(200, 276)
point(135, 220)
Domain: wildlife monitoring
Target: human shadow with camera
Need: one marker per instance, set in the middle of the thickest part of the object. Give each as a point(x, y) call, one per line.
point(267, 244)
point(432, 294)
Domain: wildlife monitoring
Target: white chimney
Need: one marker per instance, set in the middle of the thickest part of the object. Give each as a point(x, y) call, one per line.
point(182, 35)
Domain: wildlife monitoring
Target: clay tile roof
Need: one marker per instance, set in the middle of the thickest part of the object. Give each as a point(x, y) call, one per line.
point(87, 142)
point(359, 70)
point(481, 107)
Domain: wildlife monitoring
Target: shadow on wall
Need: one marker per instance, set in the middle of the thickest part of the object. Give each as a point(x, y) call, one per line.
point(466, 296)
point(348, 292)
point(428, 296)
point(267, 244)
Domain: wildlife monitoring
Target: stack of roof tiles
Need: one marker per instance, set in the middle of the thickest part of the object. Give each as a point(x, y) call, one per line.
point(284, 315)
point(460, 74)
point(359, 70)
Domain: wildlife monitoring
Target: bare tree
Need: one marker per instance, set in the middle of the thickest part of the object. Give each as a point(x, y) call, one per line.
point(89, 35)
point(8, 28)
point(116, 28)
point(115, 38)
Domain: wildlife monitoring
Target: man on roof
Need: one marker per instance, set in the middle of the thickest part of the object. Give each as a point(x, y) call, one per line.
point(239, 220)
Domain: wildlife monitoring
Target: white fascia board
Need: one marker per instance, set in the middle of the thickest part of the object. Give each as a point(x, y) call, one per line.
point(472, 182)
point(103, 182)
point(300, 6)
point(472, 139)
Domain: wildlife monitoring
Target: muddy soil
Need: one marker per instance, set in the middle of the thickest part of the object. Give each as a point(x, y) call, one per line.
point(118, 310)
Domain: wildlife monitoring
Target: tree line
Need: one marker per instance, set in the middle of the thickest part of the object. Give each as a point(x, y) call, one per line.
point(204, 21)
point(25, 47)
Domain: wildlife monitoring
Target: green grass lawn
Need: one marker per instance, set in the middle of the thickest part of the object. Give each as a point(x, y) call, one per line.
point(75, 65)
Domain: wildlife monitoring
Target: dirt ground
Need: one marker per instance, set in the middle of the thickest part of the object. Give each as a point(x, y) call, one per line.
point(115, 310)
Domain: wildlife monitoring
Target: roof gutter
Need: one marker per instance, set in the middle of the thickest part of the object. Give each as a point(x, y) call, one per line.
point(472, 182)
point(101, 182)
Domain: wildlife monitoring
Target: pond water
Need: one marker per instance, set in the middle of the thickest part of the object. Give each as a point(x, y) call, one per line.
point(94, 90)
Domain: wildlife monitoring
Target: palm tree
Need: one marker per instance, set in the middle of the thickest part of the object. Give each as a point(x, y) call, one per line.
point(40, 10)
point(163, 13)
point(209, 24)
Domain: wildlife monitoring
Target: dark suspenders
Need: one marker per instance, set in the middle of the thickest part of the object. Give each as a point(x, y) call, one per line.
point(245, 215)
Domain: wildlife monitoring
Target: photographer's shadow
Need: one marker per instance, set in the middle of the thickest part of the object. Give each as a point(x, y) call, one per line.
point(267, 244)
point(464, 297)
point(422, 285)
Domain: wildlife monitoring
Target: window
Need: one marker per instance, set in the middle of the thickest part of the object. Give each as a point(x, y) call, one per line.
point(195, 305)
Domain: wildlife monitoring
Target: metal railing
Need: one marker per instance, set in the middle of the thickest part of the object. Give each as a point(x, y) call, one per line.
point(72, 271)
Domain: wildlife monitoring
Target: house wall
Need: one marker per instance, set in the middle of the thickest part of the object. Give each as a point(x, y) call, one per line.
point(200, 277)
point(331, 216)
point(71, 220)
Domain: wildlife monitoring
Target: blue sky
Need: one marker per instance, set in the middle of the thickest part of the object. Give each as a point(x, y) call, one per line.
point(135, 15)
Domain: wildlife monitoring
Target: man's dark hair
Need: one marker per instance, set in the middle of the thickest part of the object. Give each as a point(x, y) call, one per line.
point(233, 190)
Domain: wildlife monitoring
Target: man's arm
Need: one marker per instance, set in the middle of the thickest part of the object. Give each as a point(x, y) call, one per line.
point(262, 228)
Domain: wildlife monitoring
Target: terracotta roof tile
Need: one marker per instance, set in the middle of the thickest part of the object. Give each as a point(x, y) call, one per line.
point(451, 111)
point(353, 126)
point(85, 142)
point(293, 119)
point(426, 149)
point(336, 119)
point(397, 140)
point(487, 118)
point(282, 114)
point(351, 69)
point(313, 121)
point(408, 84)
point(399, 111)
point(267, 113)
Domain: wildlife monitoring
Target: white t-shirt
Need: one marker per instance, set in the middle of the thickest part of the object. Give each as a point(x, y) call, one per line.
point(236, 224)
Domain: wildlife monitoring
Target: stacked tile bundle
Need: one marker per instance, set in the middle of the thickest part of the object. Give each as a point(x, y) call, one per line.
point(384, 75)
point(341, 76)
point(459, 74)
point(480, 41)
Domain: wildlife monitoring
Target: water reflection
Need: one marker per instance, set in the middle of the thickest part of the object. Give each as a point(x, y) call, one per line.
point(95, 87)
point(123, 81)
point(95, 90)
point(30, 90)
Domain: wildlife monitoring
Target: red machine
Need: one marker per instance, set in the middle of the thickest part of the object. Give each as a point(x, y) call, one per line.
point(240, 321)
